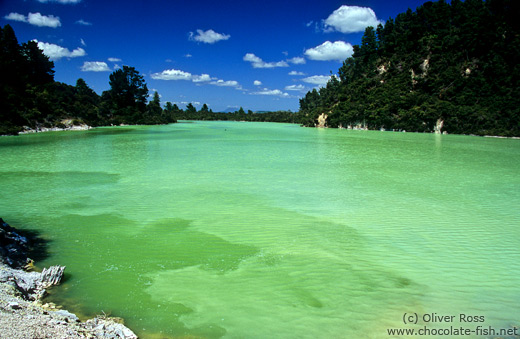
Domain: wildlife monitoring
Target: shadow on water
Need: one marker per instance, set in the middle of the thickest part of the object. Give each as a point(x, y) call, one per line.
point(18, 250)
point(38, 247)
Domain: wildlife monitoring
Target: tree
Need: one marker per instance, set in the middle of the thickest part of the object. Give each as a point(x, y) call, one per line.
point(154, 110)
point(204, 109)
point(38, 67)
point(190, 109)
point(128, 94)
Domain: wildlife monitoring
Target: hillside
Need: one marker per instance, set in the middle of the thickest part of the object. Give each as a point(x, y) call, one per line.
point(450, 67)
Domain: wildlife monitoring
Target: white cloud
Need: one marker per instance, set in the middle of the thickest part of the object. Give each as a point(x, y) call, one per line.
point(114, 60)
point(296, 73)
point(61, 1)
point(175, 74)
point(83, 43)
point(259, 63)
point(36, 19)
point(95, 66)
point(83, 23)
point(297, 60)
point(16, 17)
point(295, 88)
point(172, 74)
point(43, 21)
point(338, 50)
point(194, 103)
point(350, 19)
point(55, 52)
point(209, 36)
point(188, 55)
point(274, 92)
point(320, 80)
point(201, 78)
point(257, 83)
point(229, 83)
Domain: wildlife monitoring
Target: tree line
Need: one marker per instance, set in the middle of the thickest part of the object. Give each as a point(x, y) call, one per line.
point(205, 113)
point(446, 65)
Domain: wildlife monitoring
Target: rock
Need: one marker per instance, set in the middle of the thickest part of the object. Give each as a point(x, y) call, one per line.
point(322, 120)
point(51, 276)
point(438, 126)
point(13, 246)
point(14, 305)
point(67, 315)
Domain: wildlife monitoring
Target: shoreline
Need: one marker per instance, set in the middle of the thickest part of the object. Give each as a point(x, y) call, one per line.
point(85, 127)
point(82, 127)
point(23, 311)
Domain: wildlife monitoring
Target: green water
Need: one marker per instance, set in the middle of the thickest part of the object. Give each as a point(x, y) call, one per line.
point(258, 230)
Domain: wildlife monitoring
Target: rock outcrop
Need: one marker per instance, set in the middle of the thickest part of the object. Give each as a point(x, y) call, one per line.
point(21, 313)
point(322, 120)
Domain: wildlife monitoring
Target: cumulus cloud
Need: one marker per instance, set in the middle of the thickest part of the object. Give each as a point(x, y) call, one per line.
point(194, 103)
point(320, 80)
point(297, 60)
point(172, 74)
point(36, 19)
point(209, 36)
point(257, 83)
point(83, 23)
point(350, 19)
point(95, 66)
point(338, 50)
point(114, 60)
point(55, 52)
point(296, 73)
point(300, 88)
point(65, 2)
point(274, 92)
point(229, 83)
point(16, 17)
point(175, 74)
point(259, 63)
point(201, 78)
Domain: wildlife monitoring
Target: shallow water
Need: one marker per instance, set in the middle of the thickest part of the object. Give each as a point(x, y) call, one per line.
point(258, 230)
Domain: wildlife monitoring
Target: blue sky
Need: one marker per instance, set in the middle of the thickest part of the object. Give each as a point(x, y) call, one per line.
point(261, 55)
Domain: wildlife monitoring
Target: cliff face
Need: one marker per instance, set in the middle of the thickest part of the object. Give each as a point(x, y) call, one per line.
point(322, 120)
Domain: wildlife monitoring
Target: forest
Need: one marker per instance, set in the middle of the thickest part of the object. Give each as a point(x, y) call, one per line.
point(450, 67)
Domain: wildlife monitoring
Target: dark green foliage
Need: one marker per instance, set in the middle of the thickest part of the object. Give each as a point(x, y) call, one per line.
point(207, 114)
point(22, 68)
point(126, 98)
point(453, 62)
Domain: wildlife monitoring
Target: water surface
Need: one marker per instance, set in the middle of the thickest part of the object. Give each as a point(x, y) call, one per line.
point(258, 230)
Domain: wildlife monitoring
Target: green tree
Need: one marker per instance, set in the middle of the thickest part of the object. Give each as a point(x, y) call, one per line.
point(38, 68)
point(190, 109)
point(154, 110)
point(204, 109)
point(127, 95)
